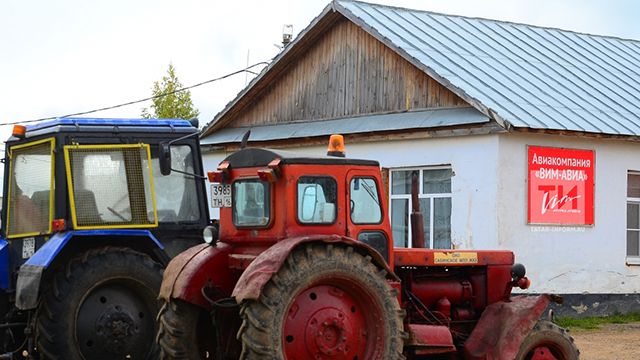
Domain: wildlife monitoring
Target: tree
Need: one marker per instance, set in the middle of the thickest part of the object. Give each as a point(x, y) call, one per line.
point(168, 104)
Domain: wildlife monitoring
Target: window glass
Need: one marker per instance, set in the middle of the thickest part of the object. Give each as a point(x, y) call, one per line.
point(633, 215)
point(633, 185)
point(441, 223)
point(111, 185)
point(425, 209)
point(436, 181)
point(250, 203)
point(176, 193)
point(400, 182)
point(399, 222)
point(365, 201)
point(29, 200)
point(317, 200)
point(633, 243)
point(633, 228)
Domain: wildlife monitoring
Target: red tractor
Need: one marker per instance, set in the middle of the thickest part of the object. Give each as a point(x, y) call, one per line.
point(303, 267)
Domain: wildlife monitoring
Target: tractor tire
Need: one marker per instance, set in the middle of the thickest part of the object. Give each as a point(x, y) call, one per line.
point(180, 324)
point(101, 306)
point(548, 338)
point(326, 302)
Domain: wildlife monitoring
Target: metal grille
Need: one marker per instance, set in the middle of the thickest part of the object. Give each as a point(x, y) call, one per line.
point(30, 190)
point(111, 186)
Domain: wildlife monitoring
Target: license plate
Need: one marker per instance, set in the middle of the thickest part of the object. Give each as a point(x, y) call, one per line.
point(220, 195)
point(28, 247)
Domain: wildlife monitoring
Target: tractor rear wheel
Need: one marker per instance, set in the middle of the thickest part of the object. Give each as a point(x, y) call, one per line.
point(548, 341)
point(185, 332)
point(326, 302)
point(101, 306)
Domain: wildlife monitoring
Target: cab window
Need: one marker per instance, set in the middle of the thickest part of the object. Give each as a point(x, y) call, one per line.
point(317, 200)
point(176, 193)
point(250, 203)
point(364, 201)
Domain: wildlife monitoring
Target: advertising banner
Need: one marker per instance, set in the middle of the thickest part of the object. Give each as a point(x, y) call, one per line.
point(560, 186)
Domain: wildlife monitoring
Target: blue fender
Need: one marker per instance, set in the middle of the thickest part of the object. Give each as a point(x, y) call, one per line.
point(30, 274)
point(4, 265)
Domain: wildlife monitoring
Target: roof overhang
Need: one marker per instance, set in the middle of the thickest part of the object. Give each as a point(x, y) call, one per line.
point(411, 120)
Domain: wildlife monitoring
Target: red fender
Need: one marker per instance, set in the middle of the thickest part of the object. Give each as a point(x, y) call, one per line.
point(503, 326)
point(196, 267)
point(259, 272)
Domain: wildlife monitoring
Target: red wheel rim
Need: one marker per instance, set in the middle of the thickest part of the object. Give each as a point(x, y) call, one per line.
point(337, 321)
point(546, 352)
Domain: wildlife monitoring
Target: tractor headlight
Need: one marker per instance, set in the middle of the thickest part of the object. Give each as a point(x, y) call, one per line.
point(210, 234)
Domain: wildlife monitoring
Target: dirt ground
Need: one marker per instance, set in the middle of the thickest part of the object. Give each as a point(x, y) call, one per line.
point(610, 342)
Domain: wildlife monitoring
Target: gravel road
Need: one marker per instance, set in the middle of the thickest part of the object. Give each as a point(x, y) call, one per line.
point(610, 342)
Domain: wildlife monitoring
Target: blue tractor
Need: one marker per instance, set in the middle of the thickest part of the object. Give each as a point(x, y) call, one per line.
point(89, 222)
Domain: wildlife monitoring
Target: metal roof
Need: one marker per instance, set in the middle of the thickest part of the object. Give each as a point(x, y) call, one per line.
point(522, 75)
point(352, 125)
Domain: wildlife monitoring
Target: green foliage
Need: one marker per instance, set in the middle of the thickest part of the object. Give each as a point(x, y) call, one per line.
point(173, 105)
point(591, 323)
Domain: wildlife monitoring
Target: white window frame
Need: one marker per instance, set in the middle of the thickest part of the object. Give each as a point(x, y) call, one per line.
point(631, 260)
point(421, 195)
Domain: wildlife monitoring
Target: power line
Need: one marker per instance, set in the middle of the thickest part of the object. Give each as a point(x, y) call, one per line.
point(247, 69)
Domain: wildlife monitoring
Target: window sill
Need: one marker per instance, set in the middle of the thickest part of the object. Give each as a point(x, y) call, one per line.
point(633, 260)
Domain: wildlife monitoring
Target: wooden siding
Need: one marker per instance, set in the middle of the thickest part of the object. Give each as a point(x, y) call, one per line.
point(345, 72)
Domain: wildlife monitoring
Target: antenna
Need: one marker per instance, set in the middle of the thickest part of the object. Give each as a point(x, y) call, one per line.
point(287, 35)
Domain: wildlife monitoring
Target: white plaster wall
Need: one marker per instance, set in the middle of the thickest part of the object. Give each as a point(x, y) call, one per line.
point(569, 260)
point(474, 159)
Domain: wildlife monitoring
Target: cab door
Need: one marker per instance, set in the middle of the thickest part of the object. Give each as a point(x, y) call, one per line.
point(367, 221)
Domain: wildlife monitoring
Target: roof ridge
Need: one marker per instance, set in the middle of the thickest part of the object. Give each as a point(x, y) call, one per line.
point(492, 20)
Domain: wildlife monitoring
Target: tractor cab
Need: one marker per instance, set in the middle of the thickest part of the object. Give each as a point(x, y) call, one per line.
point(268, 195)
point(101, 174)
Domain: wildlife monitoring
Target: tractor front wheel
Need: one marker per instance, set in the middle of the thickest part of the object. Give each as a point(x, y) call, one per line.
point(326, 302)
point(101, 306)
point(548, 341)
point(185, 332)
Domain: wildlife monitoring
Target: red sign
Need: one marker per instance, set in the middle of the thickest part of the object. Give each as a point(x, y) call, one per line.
point(560, 186)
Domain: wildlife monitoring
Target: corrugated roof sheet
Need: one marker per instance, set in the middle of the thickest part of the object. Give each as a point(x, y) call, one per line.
point(353, 125)
point(532, 77)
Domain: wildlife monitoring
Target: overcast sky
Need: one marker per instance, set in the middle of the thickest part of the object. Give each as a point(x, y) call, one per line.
point(66, 56)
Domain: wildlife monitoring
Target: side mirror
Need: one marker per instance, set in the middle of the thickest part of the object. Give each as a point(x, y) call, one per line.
point(164, 156)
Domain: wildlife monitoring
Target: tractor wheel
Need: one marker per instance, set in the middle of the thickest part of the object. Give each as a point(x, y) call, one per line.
point(180, 324)
point(102, 305)
point(326, 302)
point(548, 341)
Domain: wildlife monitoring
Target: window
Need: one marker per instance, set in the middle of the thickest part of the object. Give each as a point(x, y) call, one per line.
point(317, 200)
point(110, 186)
point(633, 218)
point(250, 200)
point(435, 204)
point(364, 201)
point(30, 189)
point(176, 194)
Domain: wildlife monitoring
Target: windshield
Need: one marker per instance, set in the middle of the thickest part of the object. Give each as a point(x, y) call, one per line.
point(30, 189)
point(250, 203)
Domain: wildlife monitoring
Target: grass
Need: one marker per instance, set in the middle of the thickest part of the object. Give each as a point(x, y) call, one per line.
point(596, 322)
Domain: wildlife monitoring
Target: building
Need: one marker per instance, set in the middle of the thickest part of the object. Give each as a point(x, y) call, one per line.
point(525, 138)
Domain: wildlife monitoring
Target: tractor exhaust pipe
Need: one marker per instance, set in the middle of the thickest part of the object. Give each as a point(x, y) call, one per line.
point(417, 229)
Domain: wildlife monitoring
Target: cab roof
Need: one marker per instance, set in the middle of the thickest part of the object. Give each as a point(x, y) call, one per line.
point(73, 124)
point(256, 157)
